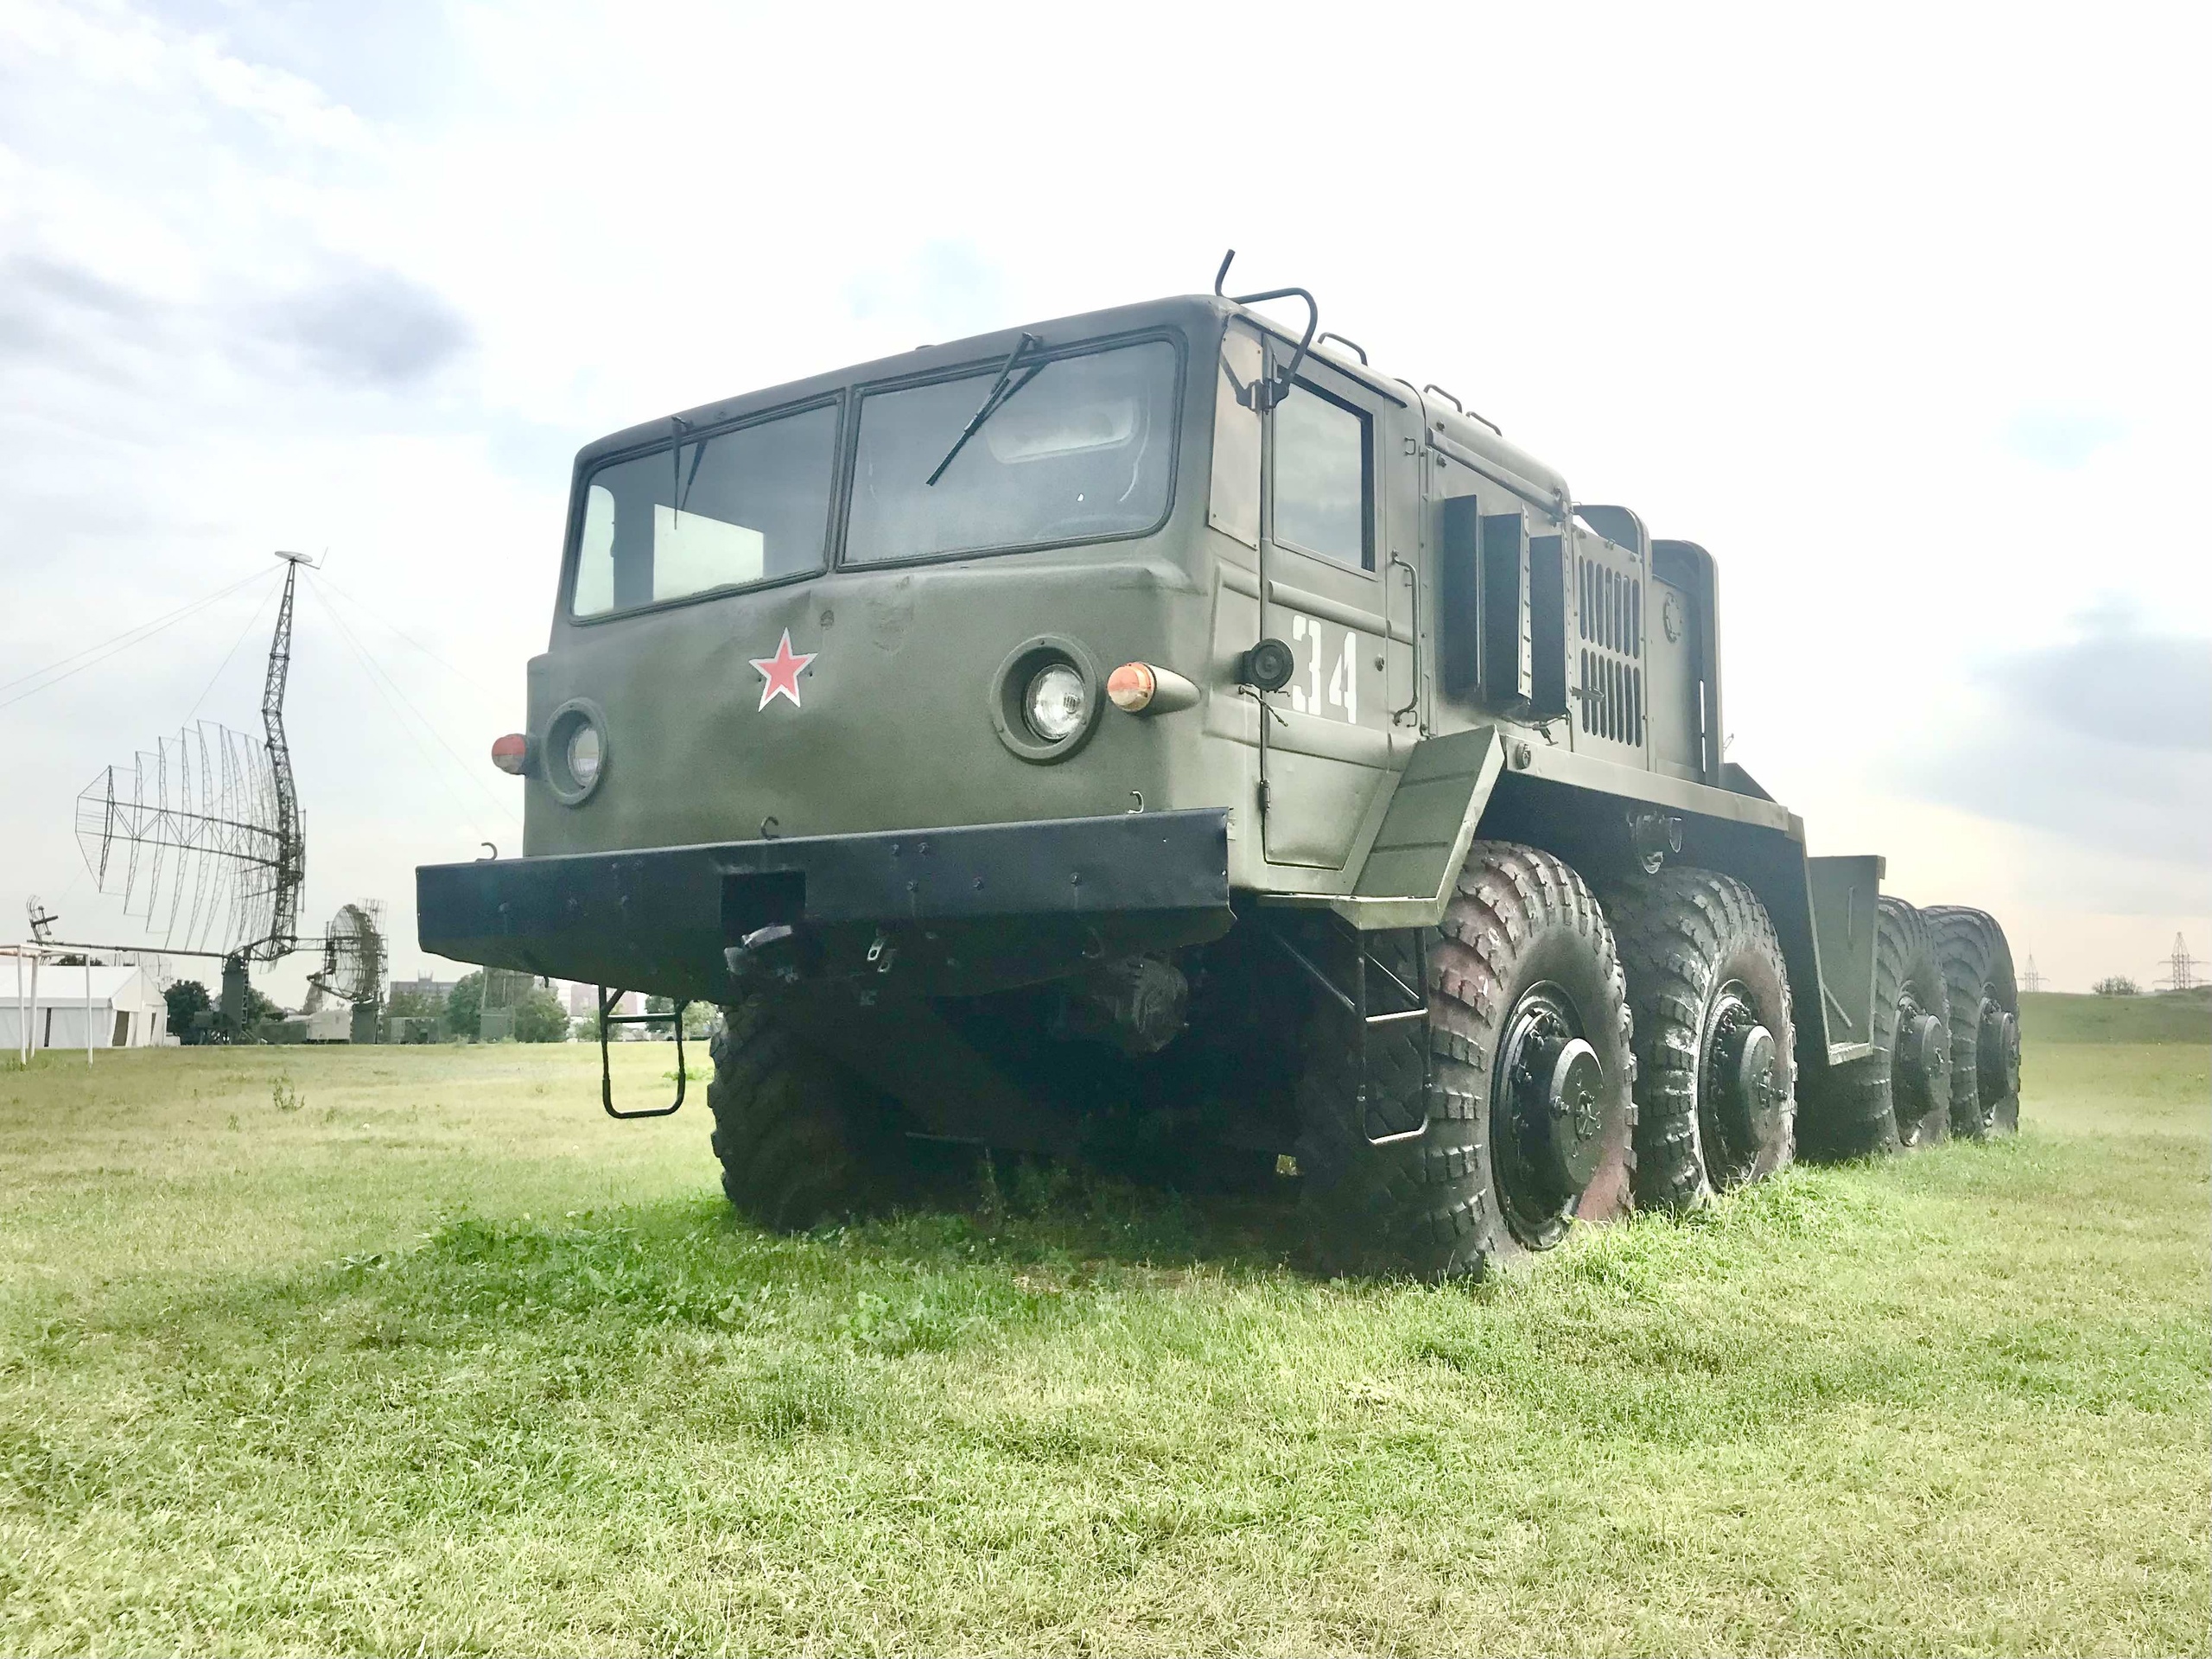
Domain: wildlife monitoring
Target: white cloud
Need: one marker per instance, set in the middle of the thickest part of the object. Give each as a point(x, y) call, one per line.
point(295, 112)
point(2060, 438)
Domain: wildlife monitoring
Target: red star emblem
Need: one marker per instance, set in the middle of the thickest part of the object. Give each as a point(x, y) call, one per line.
point(779, 673)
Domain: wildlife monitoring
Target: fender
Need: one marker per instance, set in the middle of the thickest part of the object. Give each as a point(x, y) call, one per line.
point(1499, 784)
point(1427, 821)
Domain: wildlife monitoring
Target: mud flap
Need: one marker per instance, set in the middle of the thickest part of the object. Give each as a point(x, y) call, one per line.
point(1844, 894)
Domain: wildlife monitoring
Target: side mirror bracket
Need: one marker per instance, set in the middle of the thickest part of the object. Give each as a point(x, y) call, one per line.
point(1269, 390)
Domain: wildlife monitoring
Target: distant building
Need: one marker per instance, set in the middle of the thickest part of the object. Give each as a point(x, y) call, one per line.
point(583, 1002)
point(126, 1011)
point(435, 989)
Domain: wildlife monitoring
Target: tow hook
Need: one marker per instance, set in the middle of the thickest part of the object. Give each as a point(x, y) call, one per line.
point(755, 957)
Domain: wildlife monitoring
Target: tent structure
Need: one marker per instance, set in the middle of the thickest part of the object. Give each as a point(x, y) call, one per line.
point(123, 1009)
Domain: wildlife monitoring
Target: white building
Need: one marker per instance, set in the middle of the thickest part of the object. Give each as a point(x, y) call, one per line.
point(583, 1002)
point(431, 990)
point(126, 1011)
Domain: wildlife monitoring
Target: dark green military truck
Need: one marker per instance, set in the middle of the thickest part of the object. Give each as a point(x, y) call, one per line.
point(1161, 723)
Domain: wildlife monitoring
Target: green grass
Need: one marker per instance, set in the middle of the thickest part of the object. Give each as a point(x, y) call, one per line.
point(412, 1350)
point(2050, 1016)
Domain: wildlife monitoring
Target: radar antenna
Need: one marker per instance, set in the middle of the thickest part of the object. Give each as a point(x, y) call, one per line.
point(354, 955)
point(291, 872)
point(202, 838)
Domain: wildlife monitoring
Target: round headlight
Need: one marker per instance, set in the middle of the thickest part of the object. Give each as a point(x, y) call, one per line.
point(584, 754)
point(1055, 703)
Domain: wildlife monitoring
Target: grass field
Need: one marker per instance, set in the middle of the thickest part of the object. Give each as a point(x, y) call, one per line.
point(411, 1350)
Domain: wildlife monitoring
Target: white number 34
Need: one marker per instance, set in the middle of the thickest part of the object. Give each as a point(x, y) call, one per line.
point(1339, 699)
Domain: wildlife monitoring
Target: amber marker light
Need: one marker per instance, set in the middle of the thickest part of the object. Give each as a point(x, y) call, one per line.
point(1141, 689)
point(1131, 686)
point(511, 753)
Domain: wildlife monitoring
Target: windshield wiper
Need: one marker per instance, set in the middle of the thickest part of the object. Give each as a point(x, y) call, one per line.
point(1002, 391)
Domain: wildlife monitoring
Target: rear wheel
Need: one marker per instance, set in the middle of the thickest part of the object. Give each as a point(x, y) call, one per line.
point(1898, 1097)
point(800, 1139)
point(1984, 1020)
point(1714, 1040)
point(1530, 1120)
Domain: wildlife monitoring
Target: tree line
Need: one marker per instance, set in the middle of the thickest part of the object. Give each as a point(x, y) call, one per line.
point(456, 1016)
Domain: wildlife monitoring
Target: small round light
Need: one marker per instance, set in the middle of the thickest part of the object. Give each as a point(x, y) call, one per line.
point(1268, 665)
point(1131, 686)
point(511, 754)
point(1055, 703)
point(584, 754)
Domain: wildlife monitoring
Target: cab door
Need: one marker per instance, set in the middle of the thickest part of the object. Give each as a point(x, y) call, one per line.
point(1330, 590)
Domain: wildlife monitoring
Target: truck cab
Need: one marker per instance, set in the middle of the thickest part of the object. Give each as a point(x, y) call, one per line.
point(790, 614)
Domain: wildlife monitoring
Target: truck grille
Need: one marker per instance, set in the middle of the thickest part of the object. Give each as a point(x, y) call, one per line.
point(1610, 610)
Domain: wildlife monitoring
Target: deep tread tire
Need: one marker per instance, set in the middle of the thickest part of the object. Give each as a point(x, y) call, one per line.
point(1433, 1205)
point(1977, 968)
point(1686, 937)
point(800, 1139)
point(1853, 1109)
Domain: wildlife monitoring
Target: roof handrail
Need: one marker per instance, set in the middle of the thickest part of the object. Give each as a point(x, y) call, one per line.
point(1464, 410)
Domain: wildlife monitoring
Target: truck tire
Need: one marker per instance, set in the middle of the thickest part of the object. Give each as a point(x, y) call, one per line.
point(800, 1139)
point(1715, 1056)
point(1985, 1005)
point(1530, 1120)
point(1898, 1098)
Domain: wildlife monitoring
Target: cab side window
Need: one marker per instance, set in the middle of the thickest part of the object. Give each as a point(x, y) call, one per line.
point(1324, 478)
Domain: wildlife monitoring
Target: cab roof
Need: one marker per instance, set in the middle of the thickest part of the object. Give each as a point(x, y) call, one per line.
point(1194, 313)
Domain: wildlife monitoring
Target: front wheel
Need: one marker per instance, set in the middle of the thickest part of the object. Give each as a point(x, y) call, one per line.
point(1525, 1121)
point(801, 1139)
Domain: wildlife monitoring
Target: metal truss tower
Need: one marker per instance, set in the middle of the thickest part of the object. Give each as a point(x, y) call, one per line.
point(291, 837)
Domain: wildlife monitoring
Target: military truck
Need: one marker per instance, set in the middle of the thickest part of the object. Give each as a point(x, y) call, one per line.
point(1162, 728)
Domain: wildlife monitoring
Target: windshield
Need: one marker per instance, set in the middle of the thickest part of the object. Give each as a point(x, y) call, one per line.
point(1084, 448)
point(740, 507)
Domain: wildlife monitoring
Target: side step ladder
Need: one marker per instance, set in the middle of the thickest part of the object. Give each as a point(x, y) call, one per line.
point(607, 1017)
point(1402, 1002)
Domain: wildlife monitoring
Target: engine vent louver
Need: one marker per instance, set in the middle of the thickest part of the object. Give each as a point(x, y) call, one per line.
point(1610, 612)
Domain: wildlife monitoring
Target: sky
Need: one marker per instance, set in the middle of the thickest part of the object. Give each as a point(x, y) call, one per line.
point(1895, 309)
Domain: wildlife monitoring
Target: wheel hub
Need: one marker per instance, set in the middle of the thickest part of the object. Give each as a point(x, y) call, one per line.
point(1997, 1053)
point(1553, 1095)
point(1740, 1089)
point(1571, 1097)
point(1921, 1079)
point(1748, 1073)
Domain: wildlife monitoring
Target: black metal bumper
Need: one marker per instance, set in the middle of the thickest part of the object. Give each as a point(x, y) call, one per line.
point(936, 911)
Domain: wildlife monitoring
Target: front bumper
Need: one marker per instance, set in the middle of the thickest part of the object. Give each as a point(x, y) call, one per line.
point(951, 911)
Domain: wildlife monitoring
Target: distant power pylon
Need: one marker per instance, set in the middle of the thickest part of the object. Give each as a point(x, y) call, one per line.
point(2181, 969)
point(2032, 979)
